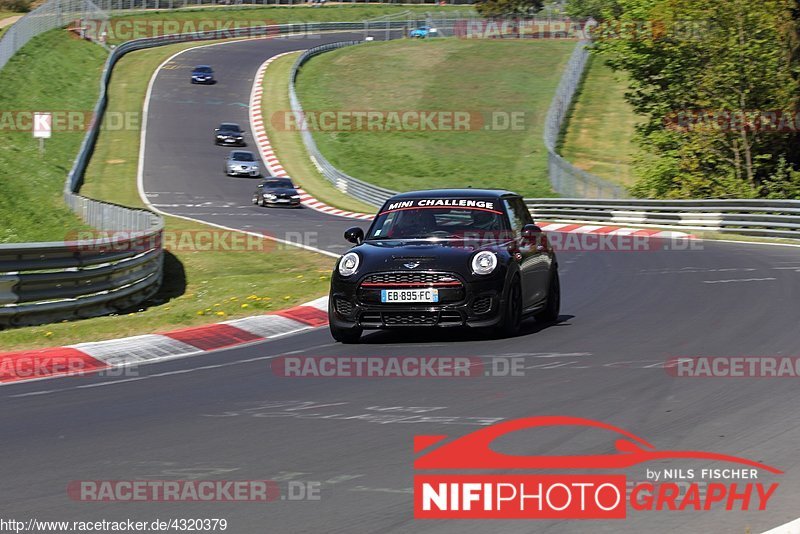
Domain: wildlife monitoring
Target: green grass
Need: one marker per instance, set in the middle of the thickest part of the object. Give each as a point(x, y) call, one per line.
point(266, 15)
point(200, 287)
point(600, 129)
point(5, 15)
point(288, 144)
point(480, 77)
point(31, 203)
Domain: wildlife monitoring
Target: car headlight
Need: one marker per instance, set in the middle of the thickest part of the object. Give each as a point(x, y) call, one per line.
point(295, 196)
point(270, 196)
point(484, 262)
point(349, 264)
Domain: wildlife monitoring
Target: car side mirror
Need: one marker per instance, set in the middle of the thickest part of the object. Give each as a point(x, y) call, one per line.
point(530, 231)
point(260, 185)
point(354, 235)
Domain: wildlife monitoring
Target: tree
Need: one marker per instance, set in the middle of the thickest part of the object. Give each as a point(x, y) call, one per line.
point(723, 64)
point(499, 8)
point(597, 9)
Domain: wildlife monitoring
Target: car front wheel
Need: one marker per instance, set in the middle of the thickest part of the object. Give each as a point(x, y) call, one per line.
point(550, 312)
point(343, 335)
point(512, 312)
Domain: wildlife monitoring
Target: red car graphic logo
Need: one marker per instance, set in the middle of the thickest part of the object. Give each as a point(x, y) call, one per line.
point(474, 451)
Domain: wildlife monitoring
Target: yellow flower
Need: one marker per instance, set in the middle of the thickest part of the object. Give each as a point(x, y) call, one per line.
point(200, 312)
point(245, 305)
point(221, 313)
point(48, 334)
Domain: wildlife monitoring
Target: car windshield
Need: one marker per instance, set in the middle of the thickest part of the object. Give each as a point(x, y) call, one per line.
point(278, 184)
point(243, 156)
point(204, 70)
point(457, 221)
point(229, 128)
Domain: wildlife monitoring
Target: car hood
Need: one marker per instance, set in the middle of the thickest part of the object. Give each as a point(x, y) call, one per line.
point(397, 254)
point(228, 133)
point(281, 191)
point(245, 163)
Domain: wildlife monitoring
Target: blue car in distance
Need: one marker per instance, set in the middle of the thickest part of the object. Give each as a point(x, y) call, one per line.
point(422, 32)
point(203, 74)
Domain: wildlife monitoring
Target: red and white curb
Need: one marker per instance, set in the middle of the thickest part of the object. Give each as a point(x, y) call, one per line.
point(84, 358)
point(567, 228)
point(268, 155)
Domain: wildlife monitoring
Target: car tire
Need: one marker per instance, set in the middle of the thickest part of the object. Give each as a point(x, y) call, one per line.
point(347, 336)
point(553, 307)
point(512, 311)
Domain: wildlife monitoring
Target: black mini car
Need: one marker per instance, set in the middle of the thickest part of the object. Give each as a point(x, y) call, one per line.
point(229, 133)
point(464, 257)
point(276, 192)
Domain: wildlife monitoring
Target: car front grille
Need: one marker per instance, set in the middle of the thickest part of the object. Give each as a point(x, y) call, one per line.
point(411, 279)
point(344, 307)
point(482, 305)
point(411, 318)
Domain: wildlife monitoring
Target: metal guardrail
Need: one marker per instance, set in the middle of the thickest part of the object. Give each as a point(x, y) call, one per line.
point(366, 192)
point(565, 178)
point(763, 218)
point(48, 16)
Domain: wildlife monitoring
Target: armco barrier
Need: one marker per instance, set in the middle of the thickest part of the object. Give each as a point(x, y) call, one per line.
point(48, 282)
point(366, 192)
point(566, 179)
point(763, 218)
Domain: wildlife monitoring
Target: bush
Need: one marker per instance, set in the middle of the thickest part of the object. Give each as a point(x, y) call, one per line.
point(18, 6)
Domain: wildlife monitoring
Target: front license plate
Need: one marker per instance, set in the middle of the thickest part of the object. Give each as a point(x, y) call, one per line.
point(409, 295)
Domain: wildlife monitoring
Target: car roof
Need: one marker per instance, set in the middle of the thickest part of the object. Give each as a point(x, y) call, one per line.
point(202, 67)
point(241, 152)
point(229, 125)
point(454, 193)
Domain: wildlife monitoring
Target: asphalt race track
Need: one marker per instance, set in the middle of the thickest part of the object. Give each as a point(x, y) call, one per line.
point(183, 169)
point(226, 415)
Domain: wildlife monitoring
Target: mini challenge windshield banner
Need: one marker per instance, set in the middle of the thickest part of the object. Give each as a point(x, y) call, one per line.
point(443, 495)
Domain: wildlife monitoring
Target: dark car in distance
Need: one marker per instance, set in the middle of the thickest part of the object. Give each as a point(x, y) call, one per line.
point(445, 258)
point(229, 133)
point(203, 74)
point(277, 192)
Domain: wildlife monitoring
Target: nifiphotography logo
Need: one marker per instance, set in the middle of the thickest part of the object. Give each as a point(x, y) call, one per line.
point(444, 495)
